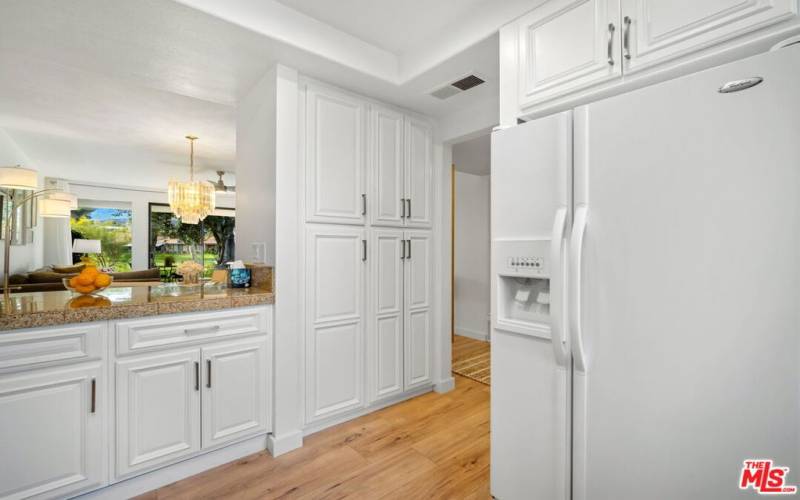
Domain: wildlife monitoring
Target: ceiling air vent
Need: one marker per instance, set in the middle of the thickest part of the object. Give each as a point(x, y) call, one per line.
point(457, 87)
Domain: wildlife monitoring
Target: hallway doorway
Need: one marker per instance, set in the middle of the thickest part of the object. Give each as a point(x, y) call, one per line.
point(470, 182)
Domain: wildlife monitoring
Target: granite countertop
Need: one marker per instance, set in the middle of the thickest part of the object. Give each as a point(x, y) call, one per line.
point(36, 309)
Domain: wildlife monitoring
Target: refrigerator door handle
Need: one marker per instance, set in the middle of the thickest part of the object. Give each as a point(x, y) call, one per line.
point(559, 338)
point(575, 258)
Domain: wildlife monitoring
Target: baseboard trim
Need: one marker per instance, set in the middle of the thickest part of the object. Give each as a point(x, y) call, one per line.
point(445, 385)
point(278, 445)
point(181, 470)
point(473, 334)
point(359, 412)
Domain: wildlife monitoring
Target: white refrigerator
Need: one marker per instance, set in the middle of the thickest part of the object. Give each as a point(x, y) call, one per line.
point(658, 347)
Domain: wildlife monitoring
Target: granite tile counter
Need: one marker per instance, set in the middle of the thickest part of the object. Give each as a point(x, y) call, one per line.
point(37, 309)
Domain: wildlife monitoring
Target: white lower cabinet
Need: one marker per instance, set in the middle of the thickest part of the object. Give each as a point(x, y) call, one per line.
point(335, 265)
point(172, 405)
point(53, 427)
point(158, 410)
point(399, 337)
point(234, 398)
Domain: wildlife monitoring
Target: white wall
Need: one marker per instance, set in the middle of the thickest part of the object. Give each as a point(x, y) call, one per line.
point(472, 258)
point(23, 257)
point(267, 206)
point(255, 168)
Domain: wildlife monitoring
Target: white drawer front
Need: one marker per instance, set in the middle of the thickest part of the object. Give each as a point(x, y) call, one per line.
point(51, 346)
point(167, 331)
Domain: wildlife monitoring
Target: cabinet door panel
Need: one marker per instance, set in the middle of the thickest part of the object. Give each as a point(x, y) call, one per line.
point(418, 310)
point(235, 391)
point(564, 47)
point(385, 333)
point(334, 157)
point(386, 172)
point(419, 173)
point(334, 320)
point(418, 355)
point(660, 31)
point(158, 410)
point(53, 445)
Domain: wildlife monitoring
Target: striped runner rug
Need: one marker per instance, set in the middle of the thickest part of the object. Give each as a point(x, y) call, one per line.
point(477, 367)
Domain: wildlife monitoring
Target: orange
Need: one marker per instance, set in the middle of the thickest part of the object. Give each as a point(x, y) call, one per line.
point(84, 288)
point(92, 272)
point(84, 279)
point(73, 282)
point(102, 280)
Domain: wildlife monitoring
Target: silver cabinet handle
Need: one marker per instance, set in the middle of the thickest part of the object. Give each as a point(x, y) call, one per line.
point(403, 208)
point(363, 204)
point(93, 407)
point(196, 376)
point(364, 250)
point(208, 380)
point(402, 249)
point(408, 254)
point(203, 329)
point(408, 201)
point(626, 38)
point(611, 30)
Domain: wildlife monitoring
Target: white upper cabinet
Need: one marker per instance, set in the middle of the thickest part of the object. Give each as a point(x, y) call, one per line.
point(386, 157)
point(569, 52)
point(235, 391)
point(655, 31)
point(567, 45)
point(334, 157)
point(418, 173)
point(53, 432)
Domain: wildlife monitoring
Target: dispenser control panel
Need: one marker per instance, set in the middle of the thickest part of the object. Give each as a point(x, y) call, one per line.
point(525, 258)
point(525, 262)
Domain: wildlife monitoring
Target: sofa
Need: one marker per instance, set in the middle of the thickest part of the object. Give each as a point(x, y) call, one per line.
point(50, 278)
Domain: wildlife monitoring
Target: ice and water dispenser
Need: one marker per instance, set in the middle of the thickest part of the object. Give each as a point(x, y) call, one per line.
point(522, 270)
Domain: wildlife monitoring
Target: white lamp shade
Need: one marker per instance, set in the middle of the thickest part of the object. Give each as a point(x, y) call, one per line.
point(18, 178)
point(71, 198)
point(86, 246)
point(49, 207)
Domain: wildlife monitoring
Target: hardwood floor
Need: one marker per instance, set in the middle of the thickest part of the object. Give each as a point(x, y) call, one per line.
point(433, 446)
point(471, 358)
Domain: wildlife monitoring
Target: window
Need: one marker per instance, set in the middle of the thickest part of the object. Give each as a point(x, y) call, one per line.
point(210, 243)
point(112, 226)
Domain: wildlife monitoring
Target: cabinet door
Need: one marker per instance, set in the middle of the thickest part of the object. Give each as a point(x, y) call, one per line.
point(158, 410)
point(566, 46)
point(385, 330)
point(386, 171)
point(659, 31)
point(335, 156)
point(418, 321)
point(53, 443)
point(234, 391)
point(335, 270)
point(419, 173)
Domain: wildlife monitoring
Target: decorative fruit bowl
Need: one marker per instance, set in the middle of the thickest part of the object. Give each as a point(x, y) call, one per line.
point(90, 281)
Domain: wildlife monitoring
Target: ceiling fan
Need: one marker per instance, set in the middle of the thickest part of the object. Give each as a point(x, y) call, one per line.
point(219, 184)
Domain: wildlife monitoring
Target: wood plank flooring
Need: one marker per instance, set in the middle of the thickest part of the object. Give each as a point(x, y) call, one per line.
point(433, 446)
point(472, 359)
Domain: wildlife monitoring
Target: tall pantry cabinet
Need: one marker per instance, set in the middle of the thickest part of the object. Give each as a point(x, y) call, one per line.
point(368, 253)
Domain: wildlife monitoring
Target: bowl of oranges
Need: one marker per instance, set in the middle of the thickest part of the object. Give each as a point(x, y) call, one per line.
point(88, 282)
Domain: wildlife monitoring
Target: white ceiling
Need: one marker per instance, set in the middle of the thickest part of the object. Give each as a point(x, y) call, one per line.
point(395, 26)
point(474, 156)
point(117, 84)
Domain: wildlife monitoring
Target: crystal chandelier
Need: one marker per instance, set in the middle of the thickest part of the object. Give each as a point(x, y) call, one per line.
point(194, 200)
